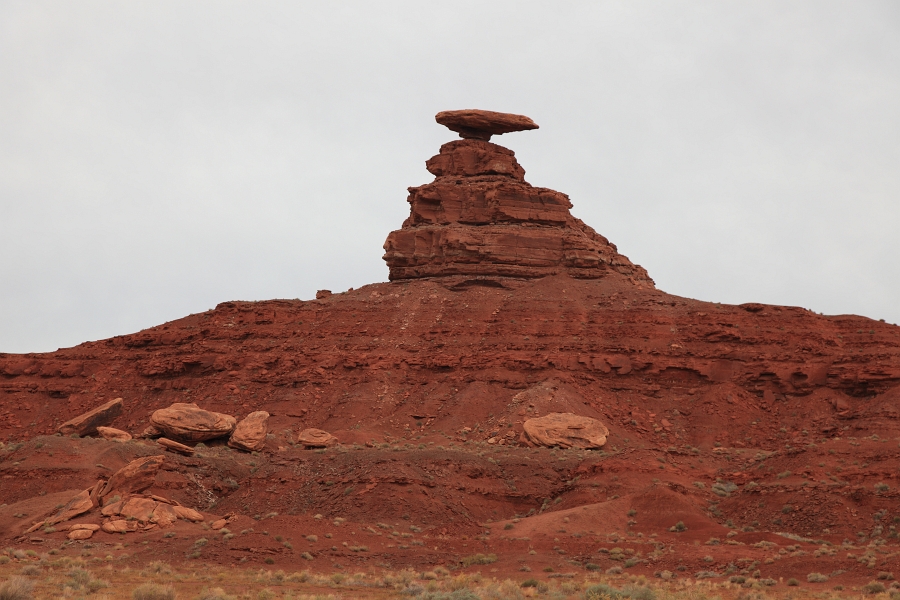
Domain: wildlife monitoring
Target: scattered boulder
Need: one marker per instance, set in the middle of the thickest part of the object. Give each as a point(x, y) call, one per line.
point(78, 505)
point(134, 477)
point(190, 423)
point(113, 434)
point(163, 515)
point(139, 509)
point(316, 438)
point(88, 423)
point(188, 514)
point(174, 446)
point(90, 526)
point(216, 525)
point(80, 534)
point(566, 430)
point(250, 433)
point(150, 432)
point(117, 526)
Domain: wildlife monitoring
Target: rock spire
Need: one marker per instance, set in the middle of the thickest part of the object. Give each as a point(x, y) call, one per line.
point(480, 218)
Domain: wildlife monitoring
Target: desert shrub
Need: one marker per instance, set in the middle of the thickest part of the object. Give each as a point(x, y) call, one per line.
point(706, 574)
point(16, 588)
point(478, 559)
point(793, 582)
point(884, 576)
point(603, 591)
point(737, 579)
point(214, 594)
point(678, 527)
point(816, 578)
point(873, 587)
point(529, 583)
point(153, 591)
point(767, 581)
point(30, 570)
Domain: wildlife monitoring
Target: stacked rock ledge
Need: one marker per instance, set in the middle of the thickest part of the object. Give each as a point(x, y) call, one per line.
point(480, 218)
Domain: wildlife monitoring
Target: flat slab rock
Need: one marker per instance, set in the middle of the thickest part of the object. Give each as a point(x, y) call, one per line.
point(565, 430)
point(316, 438)
point(190, 423)
point(87, 423)
point(478, 124)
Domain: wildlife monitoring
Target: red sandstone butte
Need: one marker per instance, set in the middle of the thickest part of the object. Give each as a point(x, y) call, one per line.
point(770, 427)
point(480, 218)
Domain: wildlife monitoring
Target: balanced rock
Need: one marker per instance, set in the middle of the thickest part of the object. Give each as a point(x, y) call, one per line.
point(250, 433)
point(88, 423)
point(134, 477)
point(113, 434)
point(482, 124)
point(479, 218)
point(190, 423)
point(566, 430)
point(316, 438)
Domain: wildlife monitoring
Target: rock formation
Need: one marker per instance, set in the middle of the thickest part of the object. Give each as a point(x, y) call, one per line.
point(316, 438)
point(565, 430)
point(250, 433)
point(190, 423)
point(88, 423)
point(479, 218)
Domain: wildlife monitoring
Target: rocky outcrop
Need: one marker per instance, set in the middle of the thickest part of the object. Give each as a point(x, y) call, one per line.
point(190, 423)
point(565, 430)
point(316, 438)
point(136, 476)
point(250, 433)
point(114, 435)
point(88, 423)
point(480, 218)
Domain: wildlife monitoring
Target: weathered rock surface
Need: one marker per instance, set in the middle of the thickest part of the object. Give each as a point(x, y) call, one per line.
point(78, 505)
point(480, 218)
point(478, 124)
point(566, 430)
point(113, 434)
point(88, 423)
point(316, 438)
point(117, 526)
point(250, 432)
point(175, 446)
point(190, 423)
point(136, 476)
point(80, 534)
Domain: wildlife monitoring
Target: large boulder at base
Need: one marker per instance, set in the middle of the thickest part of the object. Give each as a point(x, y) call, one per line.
point(87, 423)
point(566, 430)
point(78, 505)
point(250, 433)
point(134, 477)
point(190, 423)
point(114, 435)
point(316, 438)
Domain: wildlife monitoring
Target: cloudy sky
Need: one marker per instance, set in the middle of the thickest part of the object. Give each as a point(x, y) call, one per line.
point(157, 158)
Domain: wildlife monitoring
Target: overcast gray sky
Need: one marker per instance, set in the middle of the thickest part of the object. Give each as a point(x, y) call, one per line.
point(157, 158)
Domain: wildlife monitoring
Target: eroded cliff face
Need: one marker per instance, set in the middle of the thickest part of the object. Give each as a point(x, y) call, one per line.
point(739, 421)
point(480, 218)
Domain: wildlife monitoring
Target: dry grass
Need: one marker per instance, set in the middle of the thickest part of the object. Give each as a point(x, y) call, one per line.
point(107, 578)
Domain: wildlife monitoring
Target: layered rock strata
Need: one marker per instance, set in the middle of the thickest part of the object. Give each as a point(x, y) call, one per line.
point(480, 218)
